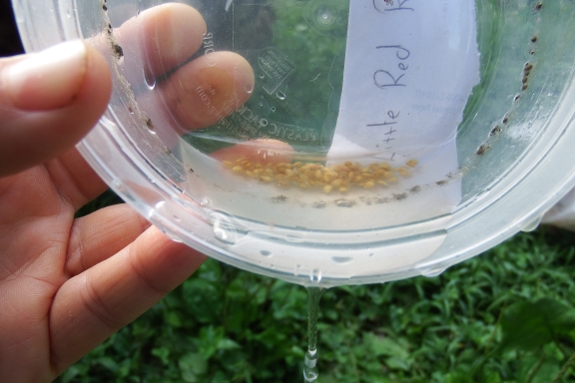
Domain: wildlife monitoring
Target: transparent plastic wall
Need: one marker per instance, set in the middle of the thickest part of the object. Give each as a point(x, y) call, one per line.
point(330, 142)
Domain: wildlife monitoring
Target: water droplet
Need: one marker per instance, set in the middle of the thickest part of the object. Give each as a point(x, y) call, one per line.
point(297, 270)
point(531, 225)
point(249, 88)
point(150, 80)
point(310, 371)
point(266, 253)
point(172, 237)
point(273, 108)
point(262, 76)
point(315, 276)
point(293, 238)
point(176, 218)
point(212, 61)
point(434, 272)
point(342, 259)
point(325, 16)
point(263, 122)
point(224, 229)
point(204, 202)
point(281, 95)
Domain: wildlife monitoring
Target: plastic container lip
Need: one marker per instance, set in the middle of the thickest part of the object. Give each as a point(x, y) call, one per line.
point(536, 183)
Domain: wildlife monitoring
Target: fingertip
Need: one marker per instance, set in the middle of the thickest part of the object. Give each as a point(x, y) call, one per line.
point(47, 80)
point(173, 32)
point(264, 150)
point(209, 88)
point(46, 111)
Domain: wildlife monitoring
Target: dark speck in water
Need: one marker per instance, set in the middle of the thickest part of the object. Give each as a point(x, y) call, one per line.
point(279, 199)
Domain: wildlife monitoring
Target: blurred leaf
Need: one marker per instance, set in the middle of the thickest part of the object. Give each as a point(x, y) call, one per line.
point(192, 367)
point(162, 353)
point(528, 325)
point(380, 345)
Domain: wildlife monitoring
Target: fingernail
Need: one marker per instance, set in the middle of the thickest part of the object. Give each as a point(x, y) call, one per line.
point(47, 80)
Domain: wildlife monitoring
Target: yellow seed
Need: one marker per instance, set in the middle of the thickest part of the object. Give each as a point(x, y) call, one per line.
point(404, 171)
point(228, 163)
point(327, 189)
point(318, 174)
point(389, 175)
point(343, 189)
point(412, 163)
point(382, 183)
point(348, 164)
point(297, 164)
point(266, 178)
point(392, 179)
point(385, 166)
point(238, 169)
point(336, 183)
point(369, 185)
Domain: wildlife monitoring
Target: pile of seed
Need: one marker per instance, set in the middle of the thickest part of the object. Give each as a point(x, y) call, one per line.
point(338, 177)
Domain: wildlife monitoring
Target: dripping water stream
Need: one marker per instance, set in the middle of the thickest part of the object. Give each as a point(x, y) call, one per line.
point(310, 370)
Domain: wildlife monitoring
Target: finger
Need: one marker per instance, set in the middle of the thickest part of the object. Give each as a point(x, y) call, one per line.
point(100, 235)
point(208, 89)
point(48, 102)
point(169, 34)
point(75, 179)
point(263, 151)
point(98, 302)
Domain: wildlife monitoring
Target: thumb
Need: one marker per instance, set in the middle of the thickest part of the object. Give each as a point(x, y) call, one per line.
point(48, 102)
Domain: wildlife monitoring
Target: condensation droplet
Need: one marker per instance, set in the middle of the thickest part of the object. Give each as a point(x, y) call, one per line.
point(342, 259)
point(249, 88)
point(297, 270)
point(315, 276)
point(273, 108)
point(266, 253)
point(281, 95)
point(325, 16)
point(430, 273)
point(204, 202)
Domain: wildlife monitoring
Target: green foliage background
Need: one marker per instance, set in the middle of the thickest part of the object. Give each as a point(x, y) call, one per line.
point(505, 316)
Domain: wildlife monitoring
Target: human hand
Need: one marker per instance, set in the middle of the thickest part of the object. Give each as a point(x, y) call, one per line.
point(67, 284)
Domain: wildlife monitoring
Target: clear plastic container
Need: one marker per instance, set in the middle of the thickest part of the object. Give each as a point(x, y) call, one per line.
point(342, 142)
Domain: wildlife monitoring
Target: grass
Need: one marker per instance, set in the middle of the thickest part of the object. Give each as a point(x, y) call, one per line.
point(505, 316)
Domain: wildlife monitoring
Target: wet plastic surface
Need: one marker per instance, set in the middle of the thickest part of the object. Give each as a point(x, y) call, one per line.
point(226, 117)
